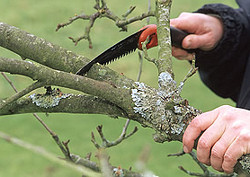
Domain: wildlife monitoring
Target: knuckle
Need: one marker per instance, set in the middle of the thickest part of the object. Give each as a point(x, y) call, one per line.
point(237, 126)
point(216, 153)
point(217, 168)
point(225, 107)
point(203, 144)
point(227, 113)
point(228, 168)
point(244, 136)
point(229, 159)
point(184, 14)
point(203, 160)
point(195, 123)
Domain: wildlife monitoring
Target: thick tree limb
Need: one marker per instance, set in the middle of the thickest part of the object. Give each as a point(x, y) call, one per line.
point(83, 104)
point(48, 54)
point(107, 91)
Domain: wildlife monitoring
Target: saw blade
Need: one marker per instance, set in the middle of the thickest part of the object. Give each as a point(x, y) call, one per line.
point(118, 50)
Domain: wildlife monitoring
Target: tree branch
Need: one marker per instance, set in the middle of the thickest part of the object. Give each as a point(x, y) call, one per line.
point(164, 61)
point(21, 93)
point(104, 90)
point(83, 104)
point(48, 54)
point(103, 11)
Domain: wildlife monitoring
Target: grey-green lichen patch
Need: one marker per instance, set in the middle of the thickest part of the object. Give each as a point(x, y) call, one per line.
point(118, 172)
point(48, 100)
point(245, 163)
point(162, 108)
point(102, 72)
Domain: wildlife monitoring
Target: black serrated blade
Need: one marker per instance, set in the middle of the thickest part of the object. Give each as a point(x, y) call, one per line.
point(118, 50)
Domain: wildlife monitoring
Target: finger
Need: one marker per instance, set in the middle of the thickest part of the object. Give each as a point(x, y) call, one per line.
point(208, 139)
point(183, 22)
point(182, 54)
point(197, 125)
point(239, 147)
point(219, 149)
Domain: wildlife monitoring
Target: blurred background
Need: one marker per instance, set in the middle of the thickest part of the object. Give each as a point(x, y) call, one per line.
point(41, 18)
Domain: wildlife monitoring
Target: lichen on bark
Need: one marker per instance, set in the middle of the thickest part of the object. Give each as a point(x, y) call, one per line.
point(163, 109)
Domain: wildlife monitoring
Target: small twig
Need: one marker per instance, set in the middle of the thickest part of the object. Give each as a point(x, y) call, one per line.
point(189, 173)
point(122, 23)
point(206, 172)
point(140, 66)
point(94, 141)
point(106, 143)
point(130, 10)
point(55, 137)
point(104, 11)
point(149, 9)
point(9, 81)
point(68, 154)
point(201, 165)
point(190, 73)
point(142, 161)
point(62, 145)
point(104, 163)
point(88, 156)
point(145, 51)
point(23, 92)
point(177, 154)
point(41, 151)
point(44, 125)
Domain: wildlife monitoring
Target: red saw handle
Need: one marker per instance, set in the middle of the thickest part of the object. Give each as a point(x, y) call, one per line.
point(177, 37)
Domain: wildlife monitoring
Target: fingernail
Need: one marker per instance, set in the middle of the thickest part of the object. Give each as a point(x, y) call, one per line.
point(185, 149)
point(187, 44)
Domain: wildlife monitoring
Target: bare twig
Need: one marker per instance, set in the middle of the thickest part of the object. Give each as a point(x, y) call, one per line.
point(149, 9)
point(41, 151)
point(94, 141)
point(145, 51)
point(177, 154)
point(9, 81)
point(191, 72)
point(64, 148)
point(106, 143)
point(106, 168)
point(140, 66)
point(23, 92)
point(104, 11)
point(130, 10)
point(206, 172)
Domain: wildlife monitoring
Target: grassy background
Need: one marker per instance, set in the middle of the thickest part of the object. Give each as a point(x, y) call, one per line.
point(41, 18)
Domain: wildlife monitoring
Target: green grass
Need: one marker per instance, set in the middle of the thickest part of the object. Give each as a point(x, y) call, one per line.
point(41, 18)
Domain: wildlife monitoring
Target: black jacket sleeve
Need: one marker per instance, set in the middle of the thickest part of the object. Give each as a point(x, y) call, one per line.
point(223, 68)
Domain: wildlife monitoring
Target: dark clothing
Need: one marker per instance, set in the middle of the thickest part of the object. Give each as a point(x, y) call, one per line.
point(226, 69)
